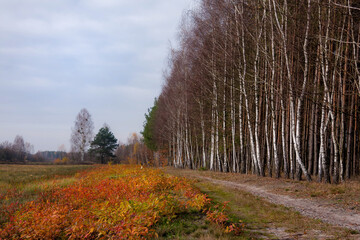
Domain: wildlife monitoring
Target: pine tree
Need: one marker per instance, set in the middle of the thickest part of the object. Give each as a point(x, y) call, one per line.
point(104, 144)
point(149, 124)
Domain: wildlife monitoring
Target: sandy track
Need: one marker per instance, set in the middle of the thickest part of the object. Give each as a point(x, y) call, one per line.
point(306, 207)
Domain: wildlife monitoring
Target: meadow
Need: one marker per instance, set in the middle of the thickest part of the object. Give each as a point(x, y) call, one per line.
point(19, 176)
point(106, 202)
point(20, 184)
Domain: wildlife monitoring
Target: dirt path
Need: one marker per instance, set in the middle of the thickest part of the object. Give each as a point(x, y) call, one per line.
point(306, 207)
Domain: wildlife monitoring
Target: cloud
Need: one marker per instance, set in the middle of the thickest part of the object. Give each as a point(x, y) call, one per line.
point(59, 56)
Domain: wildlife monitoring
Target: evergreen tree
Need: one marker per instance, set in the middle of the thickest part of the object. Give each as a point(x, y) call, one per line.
point(149, 124)
point(104, 144)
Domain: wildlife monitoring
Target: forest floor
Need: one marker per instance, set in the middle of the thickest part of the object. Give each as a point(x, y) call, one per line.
point(284, 209)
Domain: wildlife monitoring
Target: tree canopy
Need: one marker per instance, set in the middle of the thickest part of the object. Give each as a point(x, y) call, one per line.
point(104, 144)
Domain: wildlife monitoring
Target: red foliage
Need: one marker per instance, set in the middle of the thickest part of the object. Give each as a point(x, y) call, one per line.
point(120, 202)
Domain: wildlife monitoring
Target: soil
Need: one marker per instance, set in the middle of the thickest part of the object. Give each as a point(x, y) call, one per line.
point(307, 207)
point(296, 195)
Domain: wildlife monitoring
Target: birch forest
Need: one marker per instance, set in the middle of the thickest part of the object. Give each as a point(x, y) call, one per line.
point(268, 87)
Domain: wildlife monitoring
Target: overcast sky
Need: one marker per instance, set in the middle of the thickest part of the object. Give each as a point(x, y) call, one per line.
point(59, 56)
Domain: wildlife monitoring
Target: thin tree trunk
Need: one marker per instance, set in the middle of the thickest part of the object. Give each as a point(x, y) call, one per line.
point(349, 142)
point(225, 162)
point(235, 167)
point(272, 101)
point(296, 143)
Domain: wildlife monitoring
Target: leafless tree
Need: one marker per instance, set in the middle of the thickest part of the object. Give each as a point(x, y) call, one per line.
point(265, 84)
point(82, 133)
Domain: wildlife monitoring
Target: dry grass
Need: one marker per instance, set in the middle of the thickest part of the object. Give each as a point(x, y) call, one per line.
point(16, 175)
point(22, 183)
point(266, 219)
point(29, 179)
point(345, 195)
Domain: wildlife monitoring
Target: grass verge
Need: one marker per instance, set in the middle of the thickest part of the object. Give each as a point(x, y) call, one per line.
point(345, 195)
point(267, 220)
point(190, 226)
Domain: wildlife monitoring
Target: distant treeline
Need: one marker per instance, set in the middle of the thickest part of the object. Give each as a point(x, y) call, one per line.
point(135, 151)
point(52, 155)
point(19, 152)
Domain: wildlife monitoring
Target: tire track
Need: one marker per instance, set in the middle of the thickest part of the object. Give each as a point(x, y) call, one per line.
point(306, 207)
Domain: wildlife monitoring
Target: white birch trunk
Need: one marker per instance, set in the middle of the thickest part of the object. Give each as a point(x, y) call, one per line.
point(225, 163)
point(217, 139)
point(272, 101)
point(235, 165)
point(212, 151)
point(296, 144)
point(242, 74)
point(247, 110)
point(203, 136)
point(257, 120)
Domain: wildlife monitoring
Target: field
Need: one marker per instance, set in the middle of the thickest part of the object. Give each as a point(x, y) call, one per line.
point(102, 202)
point(23, 183)
point(19, 176)
point(133, 202)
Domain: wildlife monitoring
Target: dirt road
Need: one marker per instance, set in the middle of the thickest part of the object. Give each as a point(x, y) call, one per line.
point(337, 206)
point(307, 207)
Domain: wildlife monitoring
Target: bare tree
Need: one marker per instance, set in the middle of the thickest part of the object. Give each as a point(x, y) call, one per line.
point(265, 84)
point(19, 147)
point(29, 148)
point(82, 133)
point(19, 144)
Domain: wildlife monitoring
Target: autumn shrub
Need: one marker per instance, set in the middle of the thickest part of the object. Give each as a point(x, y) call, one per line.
point(64, 160)
point(116, 202)
point(217, 214)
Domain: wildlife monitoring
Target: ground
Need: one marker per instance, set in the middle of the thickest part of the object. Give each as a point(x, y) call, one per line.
point(285, 209)
point(270, 208)
point(106, 202)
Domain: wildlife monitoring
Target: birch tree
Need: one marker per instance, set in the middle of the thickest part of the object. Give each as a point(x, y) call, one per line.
point(82, 133)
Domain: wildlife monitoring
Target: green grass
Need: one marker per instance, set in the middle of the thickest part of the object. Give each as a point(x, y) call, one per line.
point(181, 227)
point(259, 215)
point(15, 175)
point(28, 180)
point(264, 219)
point(191, 226)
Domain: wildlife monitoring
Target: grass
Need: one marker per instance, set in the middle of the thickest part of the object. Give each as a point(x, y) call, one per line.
point(243, 206)
point(23, 183)
point(184, 226)
point(192, 226)
point(31, 179)
point(112, 201)
point(18, 175)
point(345, 195)
point(262, 218)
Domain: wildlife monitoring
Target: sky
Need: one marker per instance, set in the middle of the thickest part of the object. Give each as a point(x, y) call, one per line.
point(59, 56)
